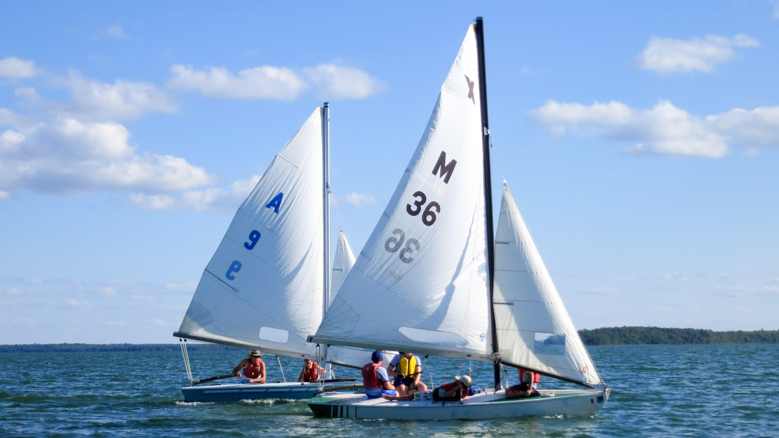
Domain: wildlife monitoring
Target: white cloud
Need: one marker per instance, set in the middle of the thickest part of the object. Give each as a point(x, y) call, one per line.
point(78, 303)
point(117, 32)
point(66, 156)
point(359, 199)
point(94, 100)
point(601, 291)
point(666, 55)
point(13, 67)
point(341, 82)
point(268, 82)
point(211, 199)
point(186, 287)
point(776, 9)
point(265, 82)
point(664, 129)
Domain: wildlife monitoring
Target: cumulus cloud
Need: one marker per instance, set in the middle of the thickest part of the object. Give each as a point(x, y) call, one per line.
point(341, 82)
point(211, 199)
point(601, 291)
point(359, 199)
point(15, 68)
point(265, 82)
point(664, 129)
point(66, 156)
point(116, 32)
point(668, 55)
point(185, 287)
point(268, 82)
point(94, 100)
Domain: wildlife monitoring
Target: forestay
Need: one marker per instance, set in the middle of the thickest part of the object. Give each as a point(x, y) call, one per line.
point(263, 286)
point(420, 283)
point(534, 329)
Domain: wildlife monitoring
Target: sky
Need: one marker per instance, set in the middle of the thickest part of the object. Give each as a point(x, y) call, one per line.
point(639, 139)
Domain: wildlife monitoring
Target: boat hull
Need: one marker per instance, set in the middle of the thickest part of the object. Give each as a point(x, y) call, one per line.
point(574, 403)
point(254, 391)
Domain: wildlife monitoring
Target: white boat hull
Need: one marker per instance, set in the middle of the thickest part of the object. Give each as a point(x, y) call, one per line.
point(575, 403)
point(254, 391)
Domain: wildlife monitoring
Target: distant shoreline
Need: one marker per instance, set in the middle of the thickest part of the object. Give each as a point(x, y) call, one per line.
point(674, 336)
point(600, 336)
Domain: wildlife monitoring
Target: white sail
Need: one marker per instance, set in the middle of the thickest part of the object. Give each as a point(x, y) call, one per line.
point(420, 283)
point(534, 329)
point(342, 264)
point(263, 288)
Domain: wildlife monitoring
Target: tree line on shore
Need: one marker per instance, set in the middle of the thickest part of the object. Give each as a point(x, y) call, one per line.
point(600, 336)
point(659, 335)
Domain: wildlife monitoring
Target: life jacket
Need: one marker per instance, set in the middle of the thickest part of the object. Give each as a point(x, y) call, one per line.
point(370, 379)
point(536, 379)
point(252, 371)
point(309, 375)
point(407, 366)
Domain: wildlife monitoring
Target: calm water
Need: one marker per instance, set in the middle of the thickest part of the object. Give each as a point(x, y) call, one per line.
point(679, 390)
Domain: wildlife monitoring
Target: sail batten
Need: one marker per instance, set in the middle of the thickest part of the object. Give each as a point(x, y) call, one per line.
point(264, 286)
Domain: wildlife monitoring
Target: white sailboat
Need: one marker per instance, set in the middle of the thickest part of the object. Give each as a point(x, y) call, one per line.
point(267, 285)
point(461, 293)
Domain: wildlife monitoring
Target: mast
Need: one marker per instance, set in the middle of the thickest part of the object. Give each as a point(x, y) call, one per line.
point(326, 214)
point(487, 187)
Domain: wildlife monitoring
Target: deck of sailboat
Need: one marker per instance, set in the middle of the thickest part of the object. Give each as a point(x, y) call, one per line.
point(254, 391)
point(484, 405)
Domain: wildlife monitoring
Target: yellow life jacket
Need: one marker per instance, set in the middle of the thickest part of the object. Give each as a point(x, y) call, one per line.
point(408, 366)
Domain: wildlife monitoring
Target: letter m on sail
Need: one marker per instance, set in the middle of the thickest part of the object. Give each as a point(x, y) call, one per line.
point(446, 169)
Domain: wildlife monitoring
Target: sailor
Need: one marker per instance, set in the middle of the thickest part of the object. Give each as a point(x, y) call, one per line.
point(406, 369)
point(375, 379)
point(525, 388)
point(310, 371)
point(453, 391)
point(253, 368)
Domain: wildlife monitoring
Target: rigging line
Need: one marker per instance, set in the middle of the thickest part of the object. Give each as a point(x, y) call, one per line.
point(281, 368)
point(185, 355)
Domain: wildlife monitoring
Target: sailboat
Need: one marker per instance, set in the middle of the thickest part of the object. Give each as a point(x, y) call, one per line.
point(268, 284)
point(462, 293)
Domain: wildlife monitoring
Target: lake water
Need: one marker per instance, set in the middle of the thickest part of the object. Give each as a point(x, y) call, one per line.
point(657, 390)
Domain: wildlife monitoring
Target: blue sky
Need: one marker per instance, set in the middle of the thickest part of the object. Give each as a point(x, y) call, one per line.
point(639, 139)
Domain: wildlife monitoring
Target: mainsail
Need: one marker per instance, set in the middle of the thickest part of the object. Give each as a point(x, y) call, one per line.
point(533, 327)
point(263, 288)
point(420, 283)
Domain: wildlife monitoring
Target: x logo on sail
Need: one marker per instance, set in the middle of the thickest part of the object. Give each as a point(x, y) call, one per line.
point(470, 89)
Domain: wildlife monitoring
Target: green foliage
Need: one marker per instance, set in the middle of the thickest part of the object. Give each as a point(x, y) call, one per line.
point(658, 335)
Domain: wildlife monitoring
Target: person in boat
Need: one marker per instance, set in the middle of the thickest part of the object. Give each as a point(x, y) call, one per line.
point(453, 391)
point(310, 371)
point(375, 379)
point(406, 369)
point(527, 380)
point(253, 368)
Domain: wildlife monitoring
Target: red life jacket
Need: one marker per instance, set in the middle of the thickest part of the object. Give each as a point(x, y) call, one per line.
point(536, 379)
point(252, 371)
point(369, 377)
point(312, 374)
